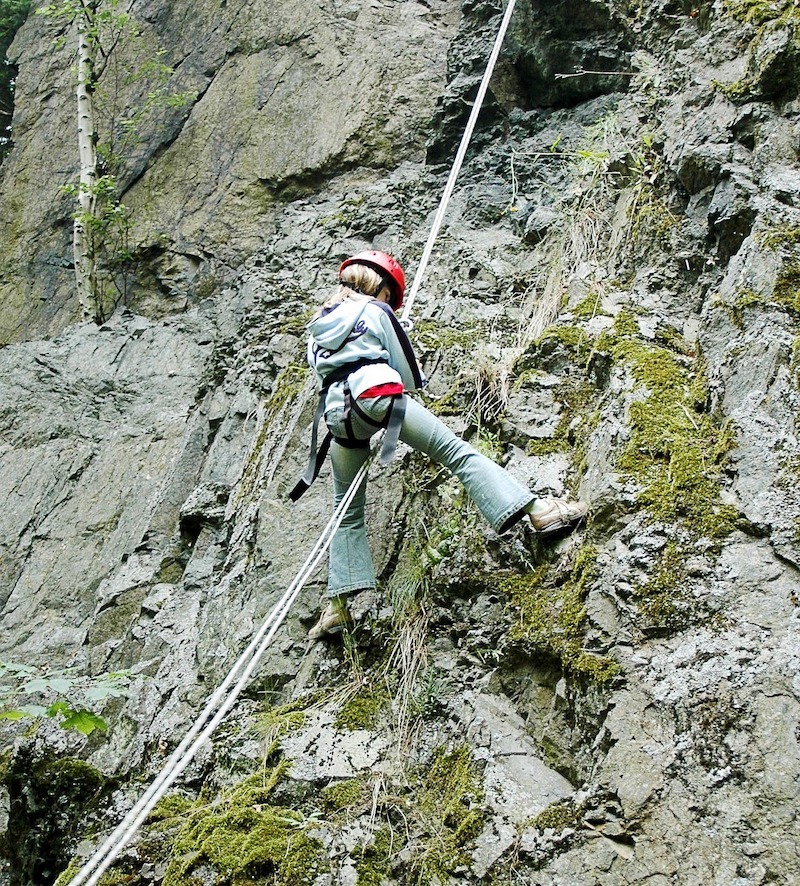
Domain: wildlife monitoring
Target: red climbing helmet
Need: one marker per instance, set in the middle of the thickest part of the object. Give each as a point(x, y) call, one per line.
point(387, 266)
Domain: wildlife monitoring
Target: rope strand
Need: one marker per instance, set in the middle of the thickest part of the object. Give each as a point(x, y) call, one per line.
point(460, 154)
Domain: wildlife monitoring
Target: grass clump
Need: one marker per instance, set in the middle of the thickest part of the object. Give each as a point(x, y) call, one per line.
point(247, 840)
point(552, 614)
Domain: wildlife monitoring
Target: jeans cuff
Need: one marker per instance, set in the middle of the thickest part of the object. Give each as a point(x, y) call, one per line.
point(349, 589)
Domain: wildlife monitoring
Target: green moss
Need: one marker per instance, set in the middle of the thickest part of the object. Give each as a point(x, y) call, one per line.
point(296, 324)
point(780, 238)
point(552, 615)
point(590, 307)
point(576, 421)
point(663, 600)
point(451, 803)
point(572, 337)
point(344, 795)
point(171, 806)
point(746, 298)
point(626, 324)
point(559, 815)
point(758, 12)
point(288, 385)
point(431, 335)
point(361, 710)
point(109, 878)
point(794, 364)
point(68, 875)
point(277, 721)
point(786, 288)
point(247, 840)
point(768, 73)
point(675, 452)
point(372, 866)
point(786, 291)
point(51, 798)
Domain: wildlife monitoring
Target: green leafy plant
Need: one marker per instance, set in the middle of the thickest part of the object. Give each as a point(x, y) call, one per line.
point(123, 86)
point(32, 693)
point(12, 14)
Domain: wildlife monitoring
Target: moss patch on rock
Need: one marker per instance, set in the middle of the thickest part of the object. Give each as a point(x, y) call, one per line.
point(663, 601)
point(50, 799)
point(344, 795)
point(773, 57)
point(373, 860)
point(361, 710)
point(552, 614)
point(450, 803)
point(676, 451)
point(247, 839)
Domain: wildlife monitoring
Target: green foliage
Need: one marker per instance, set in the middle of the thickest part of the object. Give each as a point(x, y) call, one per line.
point(52, 798)
point(552, 614)
point(31, 693)
point(123, 65)
point(247, 839)
point(12, 14)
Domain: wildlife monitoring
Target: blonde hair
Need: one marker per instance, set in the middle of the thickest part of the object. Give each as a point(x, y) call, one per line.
point(357, 283)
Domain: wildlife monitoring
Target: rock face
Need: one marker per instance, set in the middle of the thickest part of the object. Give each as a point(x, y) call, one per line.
point(611, 311)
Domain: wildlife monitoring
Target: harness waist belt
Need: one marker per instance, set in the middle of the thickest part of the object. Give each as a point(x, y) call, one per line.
point(393, 421)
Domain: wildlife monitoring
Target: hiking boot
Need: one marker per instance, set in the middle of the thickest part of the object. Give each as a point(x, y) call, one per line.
point(552, 514)
point(334, 619)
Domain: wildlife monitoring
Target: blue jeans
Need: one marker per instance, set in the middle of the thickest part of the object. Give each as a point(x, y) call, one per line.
point(500, 498)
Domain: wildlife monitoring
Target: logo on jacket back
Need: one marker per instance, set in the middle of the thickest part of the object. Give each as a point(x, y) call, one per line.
point(320, 353)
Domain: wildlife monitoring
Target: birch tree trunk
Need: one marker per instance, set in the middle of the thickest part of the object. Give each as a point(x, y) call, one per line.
point(82, 235)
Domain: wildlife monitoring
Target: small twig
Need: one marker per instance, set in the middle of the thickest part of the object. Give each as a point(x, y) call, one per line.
point(580, 72)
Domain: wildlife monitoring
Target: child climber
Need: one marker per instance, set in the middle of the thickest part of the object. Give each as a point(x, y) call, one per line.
point(364, 364)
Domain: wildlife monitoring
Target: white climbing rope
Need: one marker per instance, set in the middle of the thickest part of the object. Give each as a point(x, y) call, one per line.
point(223, 699)
point(460, 154)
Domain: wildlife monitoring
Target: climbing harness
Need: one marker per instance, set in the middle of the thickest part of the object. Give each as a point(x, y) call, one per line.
point(223, 699)
point(392, 421)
